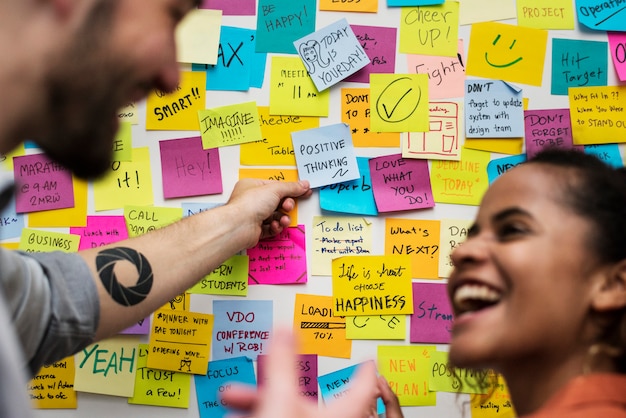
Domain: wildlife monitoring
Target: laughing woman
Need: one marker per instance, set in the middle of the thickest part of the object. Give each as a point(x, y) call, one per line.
point(539, 287)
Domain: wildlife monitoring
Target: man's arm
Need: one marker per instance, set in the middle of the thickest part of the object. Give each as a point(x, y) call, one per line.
point(137, 276)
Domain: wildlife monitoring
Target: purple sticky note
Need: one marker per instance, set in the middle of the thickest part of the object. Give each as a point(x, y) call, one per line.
point(306, 370)
point(231, 7)
point(431, 321)
point(549, 128)
point(400, 184)
point(617, 45)
point(379, 44)
point(101, 230)
point(188, 169)
point(140, 328)
point(42, 184)
point(279, 260)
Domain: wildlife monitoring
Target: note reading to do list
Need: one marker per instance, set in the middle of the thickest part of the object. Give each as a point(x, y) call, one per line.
point(372, 285)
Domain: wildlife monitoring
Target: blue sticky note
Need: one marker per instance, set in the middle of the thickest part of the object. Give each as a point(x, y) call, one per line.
point(325, 155)
point(602, 15)
point(220, 375)
point(336, 384)
point(395, 3)
point(191, 208)
point(11, 222)
point(609, 153)
point(499, 166)
point(257, 75)
point(578, 63)
point(355, 196)
point(241, 328)
point(493, 109)
point(331, 54)
point(236, 61)
point(280, 22)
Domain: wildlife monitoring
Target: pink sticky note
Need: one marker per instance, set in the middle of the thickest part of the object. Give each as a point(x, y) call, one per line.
point(306, 370)
point(379, 44)
point(446, 75)
point(101, 230)
point(140, 328)
point(547, 128)
point(188, 169)
point(617, 45)
point(431, 321)
point(231, 7)
point(279, 260)
point(400, 184)
point(41, 184)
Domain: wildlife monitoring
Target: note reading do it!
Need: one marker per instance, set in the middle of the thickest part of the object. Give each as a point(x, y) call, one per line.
point(325, 155)
point(372, 285)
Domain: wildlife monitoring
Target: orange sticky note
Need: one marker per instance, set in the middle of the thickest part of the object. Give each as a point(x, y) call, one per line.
point(418, 239)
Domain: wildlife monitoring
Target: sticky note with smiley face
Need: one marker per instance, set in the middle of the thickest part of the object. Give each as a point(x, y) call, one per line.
point(507, 52)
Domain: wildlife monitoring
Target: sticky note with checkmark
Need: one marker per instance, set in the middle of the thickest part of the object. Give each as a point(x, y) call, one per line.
point(399, 102)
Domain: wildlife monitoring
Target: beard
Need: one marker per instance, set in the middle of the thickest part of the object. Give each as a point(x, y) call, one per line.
point(84, 92)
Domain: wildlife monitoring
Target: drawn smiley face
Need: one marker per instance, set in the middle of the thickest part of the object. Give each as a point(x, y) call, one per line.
point(506, 64)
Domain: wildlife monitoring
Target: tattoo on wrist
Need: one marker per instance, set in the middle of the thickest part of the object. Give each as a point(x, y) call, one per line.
point(127, 296)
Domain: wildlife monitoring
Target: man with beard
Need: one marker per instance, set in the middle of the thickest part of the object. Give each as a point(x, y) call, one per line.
point(68, 66)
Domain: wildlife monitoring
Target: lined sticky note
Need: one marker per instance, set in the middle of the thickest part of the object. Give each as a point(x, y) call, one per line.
point(177, 111)
point(108, 367)
point(399, 102)
point(180, 341)
point(418, 239)
point(598, 114)
point(334, 236)
point(461, 182)
point(372, 285)
point(355, 112)
point(430, 30)
point(279, 260)
point(197, 36)
point(318, 331)
point(159, 387)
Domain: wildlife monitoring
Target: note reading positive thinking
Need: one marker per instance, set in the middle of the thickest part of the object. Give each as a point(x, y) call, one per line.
point(331, 54)
point(325, 155)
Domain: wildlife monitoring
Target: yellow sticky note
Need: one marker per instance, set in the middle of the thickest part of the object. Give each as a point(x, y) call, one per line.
point(407, 369)
point(334, 236)
point(229, 278)
point(180, 341)
point(445, 138)
point(399, 102)
point(53, 387)
point(60, 218)
point(125, 183)
point(129, 114)
point(372, 285)
point(230, 125)
point(598, 114)
point(355, 112)
point(178, 111)
point(319, 332)
point(376, 327)
point(108, 367)
point(275, 148)
point(292, 92)
point(367, 6)
point(419, 239)
point(474, 11)
point(198, 37)
point(274, 174)
point(557, 14)
point(7, 159)
point(10, 245)
point(430, 30)
point(493, 405)
point(178, 303)
point(37, 241)
point(159, 387)
point(453, 233)
point(507, 52)
point(461, 182)
point(442, 379)
point(142, 219)
point(123, 143)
